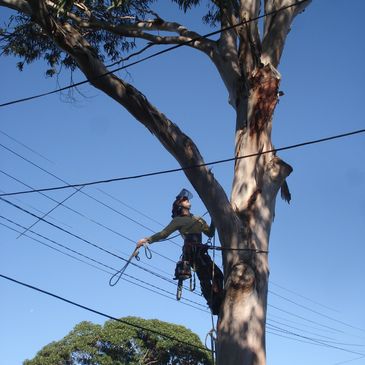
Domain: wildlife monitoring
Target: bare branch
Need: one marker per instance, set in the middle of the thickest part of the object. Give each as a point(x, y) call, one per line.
point(250, 43)
point(169, 134)
point(18, 5)
point(277, 27)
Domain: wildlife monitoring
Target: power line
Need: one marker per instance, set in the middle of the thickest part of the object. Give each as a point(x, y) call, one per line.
point(305, 319)
point(85, 217)
point(100, 313)
point(89, 242)
point(161, 172)
point(155, 54)
point(65, 182)
point(316, 312)
point(97, 262)
point(315, 340)
point(25, 146)
point(302, 296)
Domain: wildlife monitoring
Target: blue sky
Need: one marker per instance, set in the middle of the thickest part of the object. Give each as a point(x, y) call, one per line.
point(317, 242)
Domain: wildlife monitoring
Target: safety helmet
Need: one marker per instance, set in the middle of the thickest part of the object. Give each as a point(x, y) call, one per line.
point(184, 193)
point(176, 207)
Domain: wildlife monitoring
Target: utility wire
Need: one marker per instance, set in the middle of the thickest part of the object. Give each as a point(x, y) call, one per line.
point(101, 313)
point(25, 146)
point(84, 216)
point(82, 192)
point(316, 312)
point(161, 172)
point(191, 41)
point(153, 331)
point(315, 340)
point(50, 211)
point(302, 296)
point(89, 242)
point(172, 297)
point(38, 210)
point(305, 319)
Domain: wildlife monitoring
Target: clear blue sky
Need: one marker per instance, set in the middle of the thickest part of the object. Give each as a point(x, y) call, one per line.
point(317, 242)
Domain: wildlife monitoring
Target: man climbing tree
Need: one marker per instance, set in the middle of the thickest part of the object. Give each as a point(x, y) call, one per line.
point(195, 255)
point(76, 33)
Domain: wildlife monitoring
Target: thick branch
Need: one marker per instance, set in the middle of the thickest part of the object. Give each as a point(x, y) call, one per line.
point(17, 5)
point(171, 137)
point(250, 43)
point(277, 27)
point(140, 28)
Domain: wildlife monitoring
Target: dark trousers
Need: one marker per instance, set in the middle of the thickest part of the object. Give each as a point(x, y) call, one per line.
point(209, 274)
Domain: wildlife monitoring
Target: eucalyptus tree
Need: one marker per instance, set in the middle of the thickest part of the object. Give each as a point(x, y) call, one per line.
point(86, 34)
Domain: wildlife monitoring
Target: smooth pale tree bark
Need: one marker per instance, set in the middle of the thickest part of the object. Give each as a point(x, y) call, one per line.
point(247, 64)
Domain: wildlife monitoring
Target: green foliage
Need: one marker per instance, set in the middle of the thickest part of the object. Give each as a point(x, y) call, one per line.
point(24, 39)
point(116, 343)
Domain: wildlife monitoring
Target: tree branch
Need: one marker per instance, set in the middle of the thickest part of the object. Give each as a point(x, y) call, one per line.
point(17, 5)
point(277, 26)
point(139, 30)
point(250, 43)
point(171, 137)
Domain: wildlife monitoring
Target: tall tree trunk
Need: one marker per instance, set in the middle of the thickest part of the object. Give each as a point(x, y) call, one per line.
point(257, 180)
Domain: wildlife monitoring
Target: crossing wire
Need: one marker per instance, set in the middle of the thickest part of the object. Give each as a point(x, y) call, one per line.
point(84, 216)
point(315, 341)
point(88, 242)
point(102, 264)
point(97, 262)
point(191, 41)
point(101, 313)
point(216, 162)
point(82, 192)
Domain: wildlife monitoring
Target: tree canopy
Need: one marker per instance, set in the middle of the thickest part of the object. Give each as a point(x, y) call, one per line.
point(116, 343)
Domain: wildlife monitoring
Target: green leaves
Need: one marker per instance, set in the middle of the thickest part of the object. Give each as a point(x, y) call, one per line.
point(117, 343)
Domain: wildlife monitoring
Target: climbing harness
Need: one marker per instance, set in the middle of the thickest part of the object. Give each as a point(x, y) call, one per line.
point(116, 277)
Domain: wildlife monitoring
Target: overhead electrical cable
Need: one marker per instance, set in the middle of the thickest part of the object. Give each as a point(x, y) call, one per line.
point(82, 192)
point(305, 319)
point(191, 41)
point(65, 182)
point(136, 282)
point(161, 172)
point(89, 242)
point(25, 146)
point(38, 210)
point(269, 321)
point(50, 211)
point(303, 297)
point(316, 312)
point(315, 340)
point(101, 313)
point(154, 331)
point(84, 216)
point(326, 330)
point(139, 265)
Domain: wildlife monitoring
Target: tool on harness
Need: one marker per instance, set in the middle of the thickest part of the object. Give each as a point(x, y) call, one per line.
point(116, 277)
point(187, 263)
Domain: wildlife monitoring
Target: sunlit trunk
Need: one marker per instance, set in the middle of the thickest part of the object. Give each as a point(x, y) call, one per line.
point(257, 180)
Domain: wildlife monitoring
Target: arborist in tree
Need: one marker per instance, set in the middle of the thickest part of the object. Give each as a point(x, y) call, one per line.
point(194, 253)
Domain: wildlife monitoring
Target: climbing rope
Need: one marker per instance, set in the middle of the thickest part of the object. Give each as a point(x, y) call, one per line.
point(212, 333)
point(116, 277)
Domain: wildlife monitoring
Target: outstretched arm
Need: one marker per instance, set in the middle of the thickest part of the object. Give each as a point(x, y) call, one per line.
point(170, 228)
